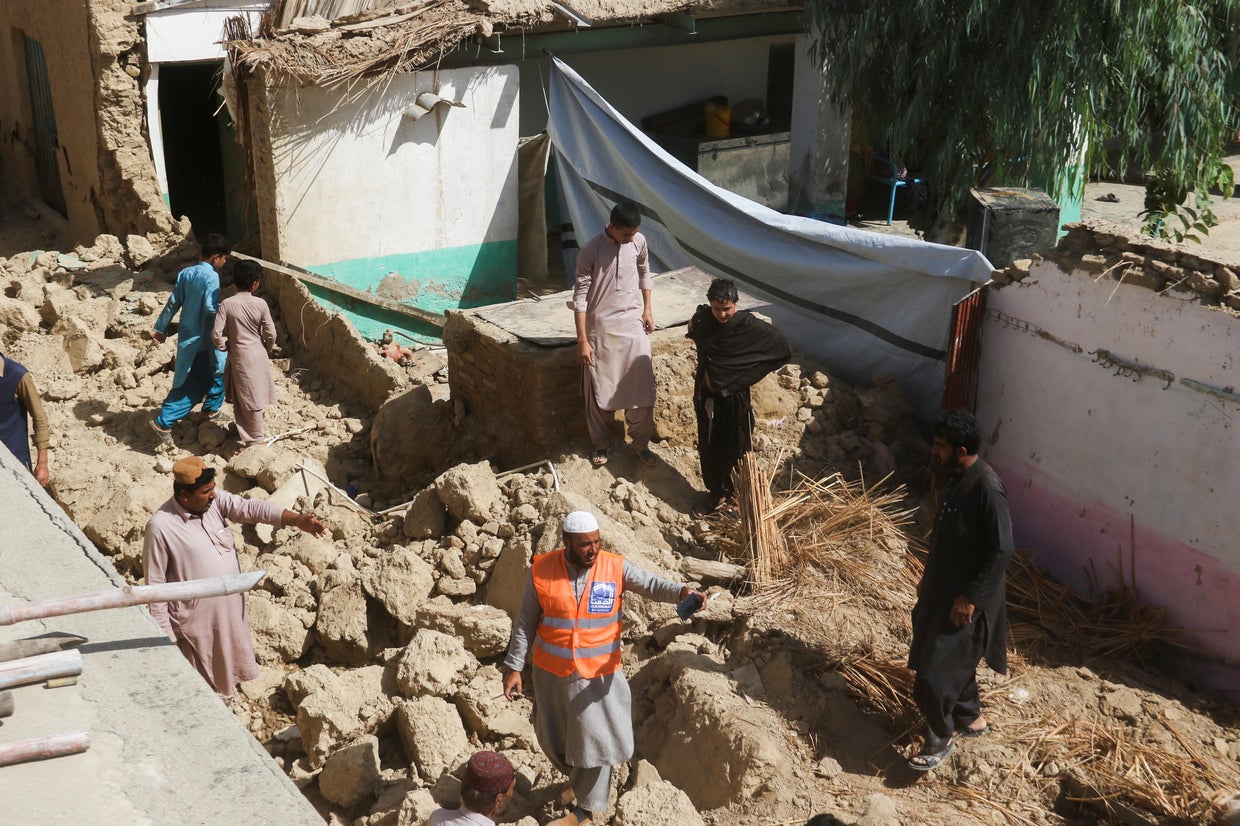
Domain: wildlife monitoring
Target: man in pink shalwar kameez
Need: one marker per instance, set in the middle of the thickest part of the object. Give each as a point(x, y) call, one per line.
point(613, 316)
point(244, 328)
point(189, 538)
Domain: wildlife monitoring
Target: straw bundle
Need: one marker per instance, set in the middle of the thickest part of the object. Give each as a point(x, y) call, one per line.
point(1109, 766)
point(1114, 624)
point(764, 545)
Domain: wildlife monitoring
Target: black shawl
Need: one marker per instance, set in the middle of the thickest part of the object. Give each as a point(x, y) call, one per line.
point(738, 354)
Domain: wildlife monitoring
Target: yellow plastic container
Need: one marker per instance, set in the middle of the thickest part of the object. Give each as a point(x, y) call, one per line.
point(718, 120)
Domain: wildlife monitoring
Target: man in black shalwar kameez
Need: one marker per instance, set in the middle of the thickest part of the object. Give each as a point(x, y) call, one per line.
point(961, 611)
point(735, 350)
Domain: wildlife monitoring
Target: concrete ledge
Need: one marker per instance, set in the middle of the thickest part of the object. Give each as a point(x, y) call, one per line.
point(164, 749)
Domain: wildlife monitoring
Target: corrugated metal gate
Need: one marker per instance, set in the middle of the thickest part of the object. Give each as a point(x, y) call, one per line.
point(964, 352)
point(46, 144)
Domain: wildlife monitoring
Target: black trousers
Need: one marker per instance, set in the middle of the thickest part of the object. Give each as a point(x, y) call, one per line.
point(949, 700)
point(725, 433)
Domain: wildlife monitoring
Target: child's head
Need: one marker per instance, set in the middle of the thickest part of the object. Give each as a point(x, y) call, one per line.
point(625, 219)
point(215, 250)
point(246, 275)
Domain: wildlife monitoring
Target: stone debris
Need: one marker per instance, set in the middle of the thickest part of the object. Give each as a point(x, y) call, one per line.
point(382, 643)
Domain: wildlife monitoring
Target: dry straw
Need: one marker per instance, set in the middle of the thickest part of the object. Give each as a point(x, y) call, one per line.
point(843, 533)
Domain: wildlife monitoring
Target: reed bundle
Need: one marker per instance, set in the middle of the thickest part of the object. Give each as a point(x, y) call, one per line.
point(1115, 623)
point(1109, 765)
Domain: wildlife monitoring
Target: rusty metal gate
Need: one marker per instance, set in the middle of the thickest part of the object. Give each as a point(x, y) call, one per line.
point(964, 352)
point(46, 145)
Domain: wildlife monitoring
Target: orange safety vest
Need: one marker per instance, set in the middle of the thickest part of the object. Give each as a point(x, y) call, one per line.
point(578, 636)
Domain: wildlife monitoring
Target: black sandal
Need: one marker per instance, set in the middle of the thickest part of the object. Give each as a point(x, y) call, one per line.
point(928, 761)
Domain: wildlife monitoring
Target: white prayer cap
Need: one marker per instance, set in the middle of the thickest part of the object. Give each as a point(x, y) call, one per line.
point(580, 522)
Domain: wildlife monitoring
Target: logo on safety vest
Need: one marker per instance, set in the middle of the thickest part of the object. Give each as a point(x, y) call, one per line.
point(602, 597)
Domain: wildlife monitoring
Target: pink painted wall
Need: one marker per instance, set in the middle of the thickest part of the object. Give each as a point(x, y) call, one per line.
point(1115, 477)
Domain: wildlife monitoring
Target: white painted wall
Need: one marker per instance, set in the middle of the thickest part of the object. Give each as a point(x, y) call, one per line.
point(641, 82)
point(356, 179)
point(821, 135)
point(1113, 475)
point(194, 34)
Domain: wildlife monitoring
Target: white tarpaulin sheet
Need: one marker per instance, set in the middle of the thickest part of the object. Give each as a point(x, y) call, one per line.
point(863, 303)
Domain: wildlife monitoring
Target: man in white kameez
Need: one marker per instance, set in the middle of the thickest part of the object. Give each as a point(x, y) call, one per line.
point(189, 538)
point(243, 328)
point(569, 626)
point(613, 316)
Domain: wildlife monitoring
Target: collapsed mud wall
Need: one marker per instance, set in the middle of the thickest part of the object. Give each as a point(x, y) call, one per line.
point(93, 55)
point(128, 200)
point(327, 343)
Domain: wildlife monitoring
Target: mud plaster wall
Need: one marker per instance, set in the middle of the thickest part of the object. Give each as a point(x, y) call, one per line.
point(351, 188)
point(327, 344)
point(527, 399)
point(62, 27)
point(1115, 460)
point(93, 55)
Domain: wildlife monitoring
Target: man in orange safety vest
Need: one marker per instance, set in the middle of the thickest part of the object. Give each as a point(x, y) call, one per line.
point(570, 617)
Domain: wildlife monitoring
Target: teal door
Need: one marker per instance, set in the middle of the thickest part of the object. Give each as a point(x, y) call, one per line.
point(47, 165)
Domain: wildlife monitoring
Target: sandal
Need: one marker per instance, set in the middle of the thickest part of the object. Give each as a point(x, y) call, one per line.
point(967, 733)
point(647, 457)
point(705, 508)
point(598, 458)
point(928, 761)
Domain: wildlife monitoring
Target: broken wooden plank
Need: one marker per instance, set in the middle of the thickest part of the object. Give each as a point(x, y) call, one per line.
point(17, 649)
point(711, 572)
point(425, 316)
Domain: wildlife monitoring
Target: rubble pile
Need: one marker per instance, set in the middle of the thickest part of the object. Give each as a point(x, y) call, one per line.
point(381, 643)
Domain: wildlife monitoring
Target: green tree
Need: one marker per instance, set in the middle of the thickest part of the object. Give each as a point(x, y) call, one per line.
point(986, 92)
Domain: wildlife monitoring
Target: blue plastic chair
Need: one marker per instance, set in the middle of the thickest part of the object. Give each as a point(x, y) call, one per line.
point(885, 171)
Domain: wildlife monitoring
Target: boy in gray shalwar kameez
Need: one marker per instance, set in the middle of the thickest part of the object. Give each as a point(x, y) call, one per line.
point(570, 618)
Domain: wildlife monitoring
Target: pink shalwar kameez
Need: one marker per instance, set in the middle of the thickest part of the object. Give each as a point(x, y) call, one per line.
point(244, 328)
point(213, 634)
point(610, 281)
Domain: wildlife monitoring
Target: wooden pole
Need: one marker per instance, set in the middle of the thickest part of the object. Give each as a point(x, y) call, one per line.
point(39, 668)
point(41, 748)
point(131, 595)
point(17, 649)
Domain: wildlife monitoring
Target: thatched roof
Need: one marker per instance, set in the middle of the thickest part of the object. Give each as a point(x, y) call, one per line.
point(333, 41)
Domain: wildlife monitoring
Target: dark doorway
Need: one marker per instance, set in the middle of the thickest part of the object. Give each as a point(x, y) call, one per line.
point(187, 105)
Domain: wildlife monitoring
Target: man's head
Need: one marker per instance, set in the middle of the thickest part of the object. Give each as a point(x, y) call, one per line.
point(957, 438)
point(625, 219)
point(193, 484)
point(722, 295)
point(488, 784)
point(246, 275)
point(215, 250)
point(581, 539)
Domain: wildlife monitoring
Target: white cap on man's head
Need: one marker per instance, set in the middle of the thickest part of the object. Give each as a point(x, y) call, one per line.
point(580, 522)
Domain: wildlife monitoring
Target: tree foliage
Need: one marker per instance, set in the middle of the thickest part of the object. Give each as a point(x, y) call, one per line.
point(986, 92)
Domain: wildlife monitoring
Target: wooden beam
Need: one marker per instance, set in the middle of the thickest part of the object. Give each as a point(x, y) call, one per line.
point(425, 316)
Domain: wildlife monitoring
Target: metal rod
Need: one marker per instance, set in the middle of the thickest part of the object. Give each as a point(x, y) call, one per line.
point(131, 595)
point(42, 748)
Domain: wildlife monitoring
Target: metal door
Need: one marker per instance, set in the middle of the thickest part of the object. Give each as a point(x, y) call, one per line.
point(46, 145)
point(964, 352)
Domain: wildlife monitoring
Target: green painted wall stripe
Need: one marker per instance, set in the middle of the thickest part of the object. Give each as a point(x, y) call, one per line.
point(436, 280)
